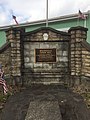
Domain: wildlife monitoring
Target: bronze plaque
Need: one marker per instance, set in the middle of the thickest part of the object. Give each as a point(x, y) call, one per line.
point(45, 55)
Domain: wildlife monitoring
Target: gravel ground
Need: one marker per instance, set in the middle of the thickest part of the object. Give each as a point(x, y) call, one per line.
point(71, 105)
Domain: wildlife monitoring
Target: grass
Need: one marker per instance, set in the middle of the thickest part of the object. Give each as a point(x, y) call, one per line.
point(3, 98)
point(84, 93)
point(86, 97)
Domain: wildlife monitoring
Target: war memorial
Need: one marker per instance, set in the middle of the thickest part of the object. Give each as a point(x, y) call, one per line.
point(52, 59)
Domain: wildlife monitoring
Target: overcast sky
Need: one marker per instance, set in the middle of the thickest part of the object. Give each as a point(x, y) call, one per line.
point(32, 10)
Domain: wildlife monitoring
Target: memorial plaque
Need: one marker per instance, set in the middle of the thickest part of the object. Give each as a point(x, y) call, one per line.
point(45, 55)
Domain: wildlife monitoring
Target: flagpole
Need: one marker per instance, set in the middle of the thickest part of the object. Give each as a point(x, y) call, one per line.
point(46, 13)
point(85, 24)
point(77, 21)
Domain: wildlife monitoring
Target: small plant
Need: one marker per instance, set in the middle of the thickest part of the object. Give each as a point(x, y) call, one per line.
point(3, 99)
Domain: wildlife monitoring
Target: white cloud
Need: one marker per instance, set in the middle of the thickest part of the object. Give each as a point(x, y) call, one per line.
point(32, 10)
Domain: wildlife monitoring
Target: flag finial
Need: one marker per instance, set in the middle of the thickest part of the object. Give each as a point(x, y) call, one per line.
point(81, 15)
point(14, 17)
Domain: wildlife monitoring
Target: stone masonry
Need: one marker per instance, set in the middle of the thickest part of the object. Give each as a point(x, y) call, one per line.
point(5, 59)
point(80, 56)
point(46, 72)
point(72, 65)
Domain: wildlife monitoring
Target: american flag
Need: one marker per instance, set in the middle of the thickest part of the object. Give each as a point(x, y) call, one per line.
point(3, 83)
point(81, 15)
point(14, 17)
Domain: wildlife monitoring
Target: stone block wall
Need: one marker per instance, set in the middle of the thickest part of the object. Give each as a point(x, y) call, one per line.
point(85, 65)
point(85, 59)
point(80, 57)
point(72, 64)
point(78, 34)
point(46, 72)
point(13, 36)
point(5, 60)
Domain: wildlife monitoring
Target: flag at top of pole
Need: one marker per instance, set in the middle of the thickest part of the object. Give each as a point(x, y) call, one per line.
point(81, 15)
point(14, 17)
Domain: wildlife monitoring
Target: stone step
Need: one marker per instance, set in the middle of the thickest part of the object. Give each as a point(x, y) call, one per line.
point(47, 76)
point(45, 80)
point(45, 70)
point(43, 110)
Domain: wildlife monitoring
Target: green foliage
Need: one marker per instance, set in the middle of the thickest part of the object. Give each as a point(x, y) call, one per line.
point(3, 98)
point(86, 97)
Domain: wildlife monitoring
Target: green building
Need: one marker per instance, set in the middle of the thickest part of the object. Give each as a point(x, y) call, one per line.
point(62, 23)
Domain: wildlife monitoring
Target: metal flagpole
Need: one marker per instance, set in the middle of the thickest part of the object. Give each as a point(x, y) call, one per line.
point(46, 13)
point(77, 21)
point(85, 24)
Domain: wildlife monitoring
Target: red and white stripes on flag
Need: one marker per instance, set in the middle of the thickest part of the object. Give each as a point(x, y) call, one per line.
point(3, 83)
point(81, 15)
point(14, 17)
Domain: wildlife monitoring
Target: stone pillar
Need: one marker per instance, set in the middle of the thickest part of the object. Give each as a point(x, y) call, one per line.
point(13, 36)
point(78, 34)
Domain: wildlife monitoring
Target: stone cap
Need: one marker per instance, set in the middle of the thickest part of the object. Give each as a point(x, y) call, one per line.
point(22, 29)
point(46, 29)
point(78, 28)
point(86, 45)
point(5, 46)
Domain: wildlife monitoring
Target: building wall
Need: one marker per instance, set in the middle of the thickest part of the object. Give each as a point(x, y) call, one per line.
point(2, 37)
